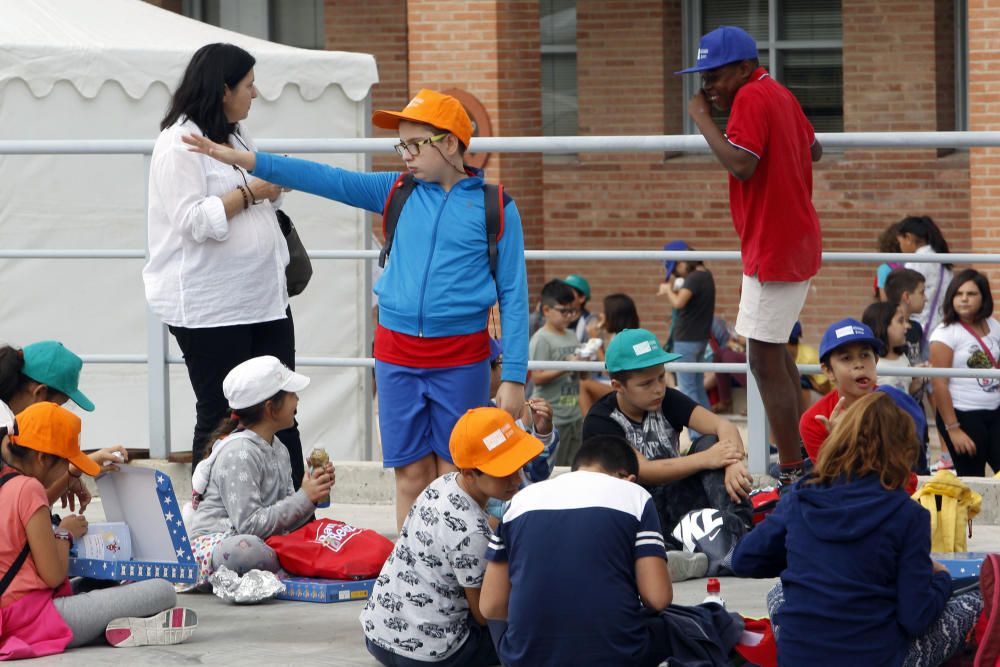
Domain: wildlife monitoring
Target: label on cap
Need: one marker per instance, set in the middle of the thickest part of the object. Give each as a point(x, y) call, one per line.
point(847, 331)
point(702, 54)
point(645, 347)
point(494, 439)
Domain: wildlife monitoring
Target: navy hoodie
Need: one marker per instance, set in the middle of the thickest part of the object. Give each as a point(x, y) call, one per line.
point(854, 561)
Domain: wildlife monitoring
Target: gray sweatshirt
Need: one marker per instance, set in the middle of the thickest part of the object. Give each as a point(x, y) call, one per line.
point(250, 491)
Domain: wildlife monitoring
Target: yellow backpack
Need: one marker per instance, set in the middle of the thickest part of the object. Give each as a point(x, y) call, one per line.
point(952, 506)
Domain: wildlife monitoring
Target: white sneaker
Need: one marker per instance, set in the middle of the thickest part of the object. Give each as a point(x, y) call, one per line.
point(683, 565)
point(168, 627)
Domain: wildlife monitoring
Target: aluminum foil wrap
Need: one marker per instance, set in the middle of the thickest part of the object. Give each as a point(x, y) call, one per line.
point(253, 587)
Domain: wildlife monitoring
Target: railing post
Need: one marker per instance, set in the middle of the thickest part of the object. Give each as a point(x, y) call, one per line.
point(758, 442)
point(157, 371)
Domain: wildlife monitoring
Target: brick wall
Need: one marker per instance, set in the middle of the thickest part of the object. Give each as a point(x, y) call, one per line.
point(984, 114)
point(627, 52)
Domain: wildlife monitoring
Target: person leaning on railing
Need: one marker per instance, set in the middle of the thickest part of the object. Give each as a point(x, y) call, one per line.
point(217, 257)
point(968, 409)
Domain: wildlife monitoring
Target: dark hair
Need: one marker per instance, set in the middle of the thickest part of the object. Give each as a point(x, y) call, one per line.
point(247, 417)
point(902, 281)
point(199, 97)
point(877, 317)
point(949, 316)
point(924, 229)
point(611, 452)
point(620, 313)
point(825, 359)
point(12, 380)
point(557, 293)
point(888, 240)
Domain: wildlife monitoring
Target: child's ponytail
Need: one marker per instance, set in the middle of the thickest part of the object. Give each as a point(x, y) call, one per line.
point(923, 227)
point(11, 378)
point(243, 417)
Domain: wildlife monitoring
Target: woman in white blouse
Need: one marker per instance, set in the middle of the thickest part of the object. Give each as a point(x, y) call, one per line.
point(968, 409)
point(216, 268)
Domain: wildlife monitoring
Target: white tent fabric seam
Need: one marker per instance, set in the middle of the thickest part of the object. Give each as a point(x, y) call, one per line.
point(91, 43)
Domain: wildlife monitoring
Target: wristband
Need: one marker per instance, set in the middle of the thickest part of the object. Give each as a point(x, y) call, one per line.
point(63, 534)
point(949, 427)
point(246, 197)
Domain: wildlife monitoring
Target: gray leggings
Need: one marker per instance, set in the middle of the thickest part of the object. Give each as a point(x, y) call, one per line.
point(88, 614)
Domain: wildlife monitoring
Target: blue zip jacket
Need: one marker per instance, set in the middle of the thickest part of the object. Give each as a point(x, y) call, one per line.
point(855, 565)
point(437, 280)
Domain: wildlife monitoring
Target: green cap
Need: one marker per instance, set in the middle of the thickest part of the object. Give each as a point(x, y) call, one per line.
point(579, 283)
point(49, 362)
point(633, 349)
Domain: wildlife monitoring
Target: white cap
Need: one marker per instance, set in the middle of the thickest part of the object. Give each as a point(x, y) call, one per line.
point(6, 417)
point(258, 379)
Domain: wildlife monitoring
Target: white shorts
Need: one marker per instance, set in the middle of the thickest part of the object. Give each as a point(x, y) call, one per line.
point(768, 311)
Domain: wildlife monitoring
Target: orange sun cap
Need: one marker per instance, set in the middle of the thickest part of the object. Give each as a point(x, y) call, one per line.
point(488, 440)
point(430, 108)
point(49, 428)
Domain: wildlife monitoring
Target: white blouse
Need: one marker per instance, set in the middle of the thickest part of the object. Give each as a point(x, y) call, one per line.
point(204, 270)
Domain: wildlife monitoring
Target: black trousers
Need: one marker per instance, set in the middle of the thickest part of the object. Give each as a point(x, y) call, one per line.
point(212, 352)
point(983, 426)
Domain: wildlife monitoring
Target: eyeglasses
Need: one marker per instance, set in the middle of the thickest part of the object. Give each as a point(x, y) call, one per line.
point(413, 148)
point(566, 312)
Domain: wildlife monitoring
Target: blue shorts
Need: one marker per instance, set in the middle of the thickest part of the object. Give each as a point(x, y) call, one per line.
point(418, 407)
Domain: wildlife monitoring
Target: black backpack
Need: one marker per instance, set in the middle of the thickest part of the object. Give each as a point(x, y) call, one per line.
point(494, 200)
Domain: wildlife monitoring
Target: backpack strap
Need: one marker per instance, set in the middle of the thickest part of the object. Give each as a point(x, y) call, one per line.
point(398, 194)
point(493, 200)
point(21, 557)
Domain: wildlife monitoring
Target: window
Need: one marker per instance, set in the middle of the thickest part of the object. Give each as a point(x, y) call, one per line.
point(800, 42)
point(558, 46)
point(293, 22)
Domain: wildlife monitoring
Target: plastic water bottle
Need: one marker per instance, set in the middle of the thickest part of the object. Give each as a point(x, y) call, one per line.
point(713, 589)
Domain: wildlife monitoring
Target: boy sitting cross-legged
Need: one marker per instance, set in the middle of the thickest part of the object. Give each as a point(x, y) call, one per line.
point(651, 416)
point(603, 603)
point(425, 604)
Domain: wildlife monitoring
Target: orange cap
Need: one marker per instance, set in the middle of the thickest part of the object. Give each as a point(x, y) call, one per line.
point(49, 428)
point(488, 439)
point(431, 108)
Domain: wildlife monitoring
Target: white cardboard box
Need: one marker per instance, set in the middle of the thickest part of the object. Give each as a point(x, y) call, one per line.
point(144, 499)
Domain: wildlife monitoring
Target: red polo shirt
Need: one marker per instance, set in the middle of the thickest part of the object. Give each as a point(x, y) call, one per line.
point(772, 210)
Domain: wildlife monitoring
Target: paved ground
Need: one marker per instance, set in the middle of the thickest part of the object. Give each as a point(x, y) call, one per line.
point(300, 633)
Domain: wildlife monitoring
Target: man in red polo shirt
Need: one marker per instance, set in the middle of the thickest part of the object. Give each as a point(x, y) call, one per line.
point(768, 149)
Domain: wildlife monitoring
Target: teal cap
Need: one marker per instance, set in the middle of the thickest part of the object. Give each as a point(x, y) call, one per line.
point(579, 283)
point(633, 349)
point(48, 362)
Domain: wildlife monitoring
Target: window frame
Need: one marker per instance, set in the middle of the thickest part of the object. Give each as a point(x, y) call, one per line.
point(559, 49)
point(691, 34)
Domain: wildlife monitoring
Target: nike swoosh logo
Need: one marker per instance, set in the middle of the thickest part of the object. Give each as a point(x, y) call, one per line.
point(713, 534)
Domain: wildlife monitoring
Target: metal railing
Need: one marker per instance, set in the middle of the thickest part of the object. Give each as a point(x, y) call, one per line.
point(157, 357)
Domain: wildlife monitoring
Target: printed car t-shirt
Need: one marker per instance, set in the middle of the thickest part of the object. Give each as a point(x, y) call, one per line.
point(418, 607)
point(20, 498)
point(657, 437)
point(971, 393)
point(563, 393)
point(601, 524)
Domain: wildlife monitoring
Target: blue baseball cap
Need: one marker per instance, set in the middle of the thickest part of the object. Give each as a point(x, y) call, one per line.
point(846, 332)
point(796, 332)
point(724, 45)
point(670, 264)
point(48, 362)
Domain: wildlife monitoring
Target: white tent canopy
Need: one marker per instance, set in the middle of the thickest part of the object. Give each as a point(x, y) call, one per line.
point(104, 69)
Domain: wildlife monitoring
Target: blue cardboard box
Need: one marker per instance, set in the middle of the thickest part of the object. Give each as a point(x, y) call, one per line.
point(144, 499)
point(963, 567)
point(308, 589)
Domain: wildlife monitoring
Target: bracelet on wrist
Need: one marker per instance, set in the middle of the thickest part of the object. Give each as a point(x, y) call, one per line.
point(246, 196)
point(64, 535)
point(949, 427)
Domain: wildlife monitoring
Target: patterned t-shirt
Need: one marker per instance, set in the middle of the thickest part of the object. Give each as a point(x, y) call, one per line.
point(418, 608)
point(657, 437)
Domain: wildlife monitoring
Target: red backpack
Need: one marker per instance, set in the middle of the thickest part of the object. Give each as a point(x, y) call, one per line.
point(331, 549)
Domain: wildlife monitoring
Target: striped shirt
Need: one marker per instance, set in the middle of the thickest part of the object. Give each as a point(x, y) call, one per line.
point(571, 544)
